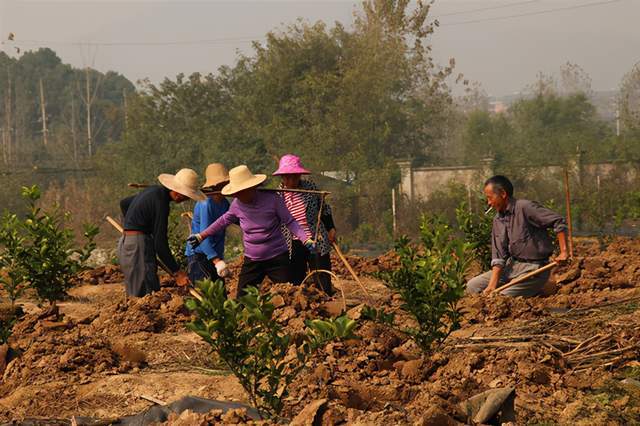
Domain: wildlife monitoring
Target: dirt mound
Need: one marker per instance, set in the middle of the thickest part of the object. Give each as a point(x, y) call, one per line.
point(295, 304)
point(617, 267)
point(571, 357)
point(365, 265)
point(214, 417)
point(362, 374)
point(162, 311)
point(108, 274)
point(479, 309)
point(48, 346)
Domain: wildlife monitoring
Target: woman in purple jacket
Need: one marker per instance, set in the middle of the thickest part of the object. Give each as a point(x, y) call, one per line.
point(260, 215)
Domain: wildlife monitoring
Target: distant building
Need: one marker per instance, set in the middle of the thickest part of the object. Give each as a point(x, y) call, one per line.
point(498, 107)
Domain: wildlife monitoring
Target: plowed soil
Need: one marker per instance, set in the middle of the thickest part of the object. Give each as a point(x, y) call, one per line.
point(572, 356)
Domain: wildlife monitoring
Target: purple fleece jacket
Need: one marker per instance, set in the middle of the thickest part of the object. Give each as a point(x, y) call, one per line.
point(260, 222)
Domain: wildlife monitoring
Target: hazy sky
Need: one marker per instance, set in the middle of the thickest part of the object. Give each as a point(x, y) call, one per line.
point(503, 54)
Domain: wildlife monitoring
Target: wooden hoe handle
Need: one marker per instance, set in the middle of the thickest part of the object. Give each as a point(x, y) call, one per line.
point(526, 276)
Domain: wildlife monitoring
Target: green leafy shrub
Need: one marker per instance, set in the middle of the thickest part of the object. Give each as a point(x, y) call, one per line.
point(476, 228)
point(263, 357)
point(430, 280)
point(12, 274)
point(9, 315)
point(378, 315)
point(40, 251)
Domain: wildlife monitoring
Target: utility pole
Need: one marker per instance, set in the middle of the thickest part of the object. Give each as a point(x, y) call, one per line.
point(89, 101)
point(126, 114)
point(4, 146)
point(8, 119)
point(73, 129)
point(43, 111)
point(393, 212)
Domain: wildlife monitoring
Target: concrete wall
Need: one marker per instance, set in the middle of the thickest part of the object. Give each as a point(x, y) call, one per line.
point(419, 183)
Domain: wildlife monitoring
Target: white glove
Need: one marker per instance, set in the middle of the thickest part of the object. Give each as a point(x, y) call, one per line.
point(221, 268)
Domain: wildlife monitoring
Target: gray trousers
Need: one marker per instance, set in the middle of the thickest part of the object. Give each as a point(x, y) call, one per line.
point(513, 269)
point(137, 257)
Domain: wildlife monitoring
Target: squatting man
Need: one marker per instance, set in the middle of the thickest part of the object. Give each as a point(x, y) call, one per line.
point(520, 242)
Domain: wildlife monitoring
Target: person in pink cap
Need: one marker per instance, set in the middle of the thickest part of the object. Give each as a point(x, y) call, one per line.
point(304, 207)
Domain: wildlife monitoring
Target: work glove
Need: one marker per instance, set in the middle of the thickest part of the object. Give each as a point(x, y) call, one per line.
point(310, 245)
point(221, 268)
point(194, 240)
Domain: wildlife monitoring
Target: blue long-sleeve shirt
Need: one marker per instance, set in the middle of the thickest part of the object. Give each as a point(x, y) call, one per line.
point(204, 214)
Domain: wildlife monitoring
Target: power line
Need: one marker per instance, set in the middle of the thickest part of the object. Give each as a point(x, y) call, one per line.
point(251, 39)
point(482, 9)
point(138, 43)
point(539, 12)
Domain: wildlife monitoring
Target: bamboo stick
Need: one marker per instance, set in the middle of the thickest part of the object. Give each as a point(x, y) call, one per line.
point(152, 399)
point(567, 196)
point(350, 269)
point(317, 234)
point(526, 276)
point(307, 191)
point(341, 287)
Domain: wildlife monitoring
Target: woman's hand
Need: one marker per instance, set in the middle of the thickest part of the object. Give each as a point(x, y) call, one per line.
point(332, 235)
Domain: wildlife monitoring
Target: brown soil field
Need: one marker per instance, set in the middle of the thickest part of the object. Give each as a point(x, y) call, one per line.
point(572, 357)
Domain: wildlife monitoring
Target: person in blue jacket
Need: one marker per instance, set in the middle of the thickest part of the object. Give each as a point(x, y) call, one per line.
point(207, 260)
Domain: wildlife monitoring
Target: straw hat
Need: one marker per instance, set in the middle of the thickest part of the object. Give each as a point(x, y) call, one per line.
point(184, 182)
point(291, 165)
point(241, 178)
point(215, 174)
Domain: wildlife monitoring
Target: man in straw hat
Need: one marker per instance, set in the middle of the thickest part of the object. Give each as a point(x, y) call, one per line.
point(260, 215)
point(207, 260)
point(146, 217)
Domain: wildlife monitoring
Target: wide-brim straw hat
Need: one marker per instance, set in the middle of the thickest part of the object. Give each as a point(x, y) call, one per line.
point(241, 178)
point(184, 182)
point(215, 174)
point(291, 165)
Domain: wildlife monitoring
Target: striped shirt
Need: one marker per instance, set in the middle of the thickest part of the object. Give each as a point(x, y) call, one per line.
point(296, 206)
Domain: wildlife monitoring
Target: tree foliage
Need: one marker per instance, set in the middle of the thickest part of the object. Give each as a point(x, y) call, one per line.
point(476, 231)
point(64, 88)
point(542, 130)
point(260, 353)
point(39, 251)
point(347, 100)
point(430, 280)
point(630, 100)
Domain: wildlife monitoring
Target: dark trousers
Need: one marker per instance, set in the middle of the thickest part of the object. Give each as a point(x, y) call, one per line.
point(137, 256)
point(254, 271)
point(200, 268)
point(303, 262)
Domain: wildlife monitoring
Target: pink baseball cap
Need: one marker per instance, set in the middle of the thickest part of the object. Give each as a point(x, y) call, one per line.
point(290, 165)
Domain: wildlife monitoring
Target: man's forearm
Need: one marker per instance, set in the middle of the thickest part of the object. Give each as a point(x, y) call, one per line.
point(495, 277)
point(562, 241)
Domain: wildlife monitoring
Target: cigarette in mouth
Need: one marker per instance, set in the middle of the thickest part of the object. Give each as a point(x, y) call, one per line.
point(488, 210)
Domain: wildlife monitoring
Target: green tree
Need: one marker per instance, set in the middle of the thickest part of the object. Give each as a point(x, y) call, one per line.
point(62, 85)
point(309, 89)
point(257, 349)
point(629, 100)
point(42, 250)
point(430, 281)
